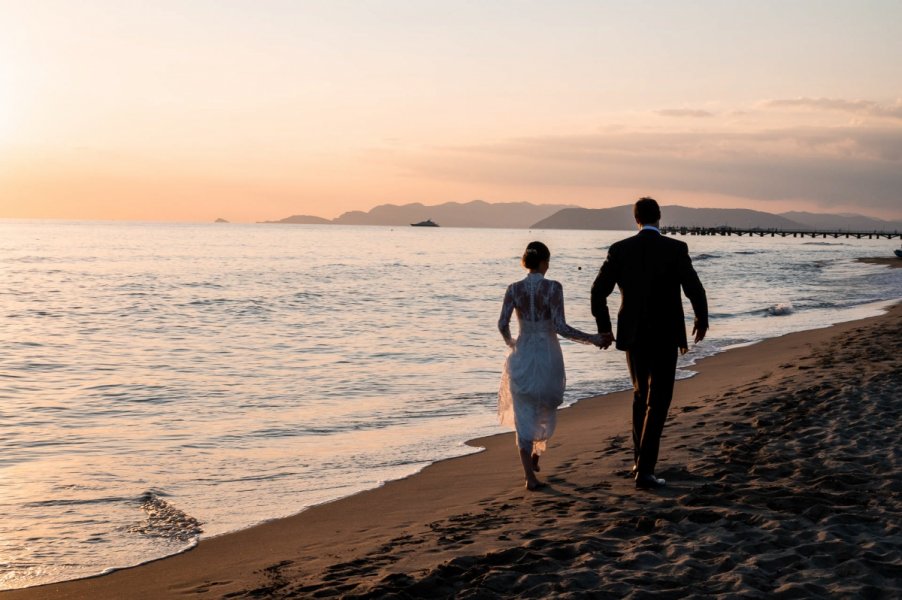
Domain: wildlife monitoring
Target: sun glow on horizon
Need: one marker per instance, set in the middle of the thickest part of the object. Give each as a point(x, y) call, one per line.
point(255, 112)
point(9, 109)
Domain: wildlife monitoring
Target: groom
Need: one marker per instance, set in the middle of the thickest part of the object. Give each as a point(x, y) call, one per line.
point(650, 269)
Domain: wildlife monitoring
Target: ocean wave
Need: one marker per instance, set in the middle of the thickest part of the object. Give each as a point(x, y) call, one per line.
point(725, 315)
point(195, 383)
point(42, 313)
point(817, 303)
point(32, 259)
point(73, 502)
point(38, 366)
point(306, 295)
point(780, 309)
point(234, 306)
point(163, 520)
point(202, 284)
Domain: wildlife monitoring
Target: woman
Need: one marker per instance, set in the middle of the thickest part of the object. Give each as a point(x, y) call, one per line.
point(533, 380)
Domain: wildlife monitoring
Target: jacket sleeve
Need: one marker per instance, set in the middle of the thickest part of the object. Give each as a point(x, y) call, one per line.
point(693, 289)
point(601, 289)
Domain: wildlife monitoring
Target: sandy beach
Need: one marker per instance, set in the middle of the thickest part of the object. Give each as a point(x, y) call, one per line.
point(889, 261)
point(258, 262)
point(784, 481)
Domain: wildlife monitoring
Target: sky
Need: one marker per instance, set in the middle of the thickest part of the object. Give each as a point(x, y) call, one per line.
point(193, 110)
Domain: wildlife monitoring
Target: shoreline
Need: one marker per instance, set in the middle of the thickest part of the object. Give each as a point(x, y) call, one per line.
point(889, 261)
point(423, 521)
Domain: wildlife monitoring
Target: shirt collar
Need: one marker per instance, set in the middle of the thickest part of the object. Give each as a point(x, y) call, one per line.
point(651, 228)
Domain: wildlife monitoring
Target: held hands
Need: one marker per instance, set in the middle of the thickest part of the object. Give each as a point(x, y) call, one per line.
point(603, 340)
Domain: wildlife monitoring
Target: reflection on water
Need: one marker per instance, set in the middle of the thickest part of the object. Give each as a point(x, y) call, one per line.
point(160, 380)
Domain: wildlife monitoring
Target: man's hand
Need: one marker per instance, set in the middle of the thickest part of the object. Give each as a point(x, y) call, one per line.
point(606, 340)
point(699, 332)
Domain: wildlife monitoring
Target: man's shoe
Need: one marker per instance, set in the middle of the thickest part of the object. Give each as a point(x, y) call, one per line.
point(646, 481)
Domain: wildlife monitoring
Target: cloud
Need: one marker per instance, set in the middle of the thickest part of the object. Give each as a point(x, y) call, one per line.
point(684, 112)
point(831, 166)
point(857, 107)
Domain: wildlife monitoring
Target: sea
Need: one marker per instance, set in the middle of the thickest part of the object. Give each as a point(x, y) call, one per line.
point(164, 383)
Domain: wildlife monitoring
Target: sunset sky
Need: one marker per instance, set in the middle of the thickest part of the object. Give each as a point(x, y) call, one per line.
point(190, 110)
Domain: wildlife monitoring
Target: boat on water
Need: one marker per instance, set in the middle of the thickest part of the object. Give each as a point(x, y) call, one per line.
point(898, 253)
point(426, 223)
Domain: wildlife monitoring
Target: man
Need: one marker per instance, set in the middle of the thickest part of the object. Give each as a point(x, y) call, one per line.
point(649, 269)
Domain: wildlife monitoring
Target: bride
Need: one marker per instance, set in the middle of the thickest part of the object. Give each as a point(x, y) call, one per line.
point(533, 380)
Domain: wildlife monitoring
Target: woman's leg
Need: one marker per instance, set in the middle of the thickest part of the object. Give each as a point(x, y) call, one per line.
point(526, 459)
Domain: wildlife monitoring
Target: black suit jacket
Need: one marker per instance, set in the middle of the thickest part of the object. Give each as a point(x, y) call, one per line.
point(650, 269)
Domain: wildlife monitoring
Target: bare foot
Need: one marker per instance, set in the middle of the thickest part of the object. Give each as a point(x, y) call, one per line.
point(535, 463)
point(534, 485)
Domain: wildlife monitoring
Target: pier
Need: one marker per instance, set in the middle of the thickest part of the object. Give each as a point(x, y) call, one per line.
point(676, 230)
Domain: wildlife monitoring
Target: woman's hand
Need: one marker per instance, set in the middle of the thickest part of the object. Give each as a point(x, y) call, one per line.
point(603, 340)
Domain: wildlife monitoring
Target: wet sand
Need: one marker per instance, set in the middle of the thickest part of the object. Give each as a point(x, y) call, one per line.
point(889, 261)
point(784, 480)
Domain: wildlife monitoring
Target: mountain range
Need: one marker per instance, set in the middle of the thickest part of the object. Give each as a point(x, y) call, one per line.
point(510, 215)
point(621, 217)
point(525, 215)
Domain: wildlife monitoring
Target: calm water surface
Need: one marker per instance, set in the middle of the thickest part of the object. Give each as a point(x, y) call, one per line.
point(165, 382)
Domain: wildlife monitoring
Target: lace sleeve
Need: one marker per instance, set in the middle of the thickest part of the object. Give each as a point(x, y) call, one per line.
point(560, 322)
point(504, 321)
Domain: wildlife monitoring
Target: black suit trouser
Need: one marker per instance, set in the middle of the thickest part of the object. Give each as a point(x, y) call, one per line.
point(653, 370)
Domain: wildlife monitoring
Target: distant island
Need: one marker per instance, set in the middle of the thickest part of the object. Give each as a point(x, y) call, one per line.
point(220, 220)
point(478, 213)
point(525, 215)
point(621, 217)
point(302, 220)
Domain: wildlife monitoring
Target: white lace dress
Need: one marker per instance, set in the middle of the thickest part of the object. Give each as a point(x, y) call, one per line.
point(533, 378)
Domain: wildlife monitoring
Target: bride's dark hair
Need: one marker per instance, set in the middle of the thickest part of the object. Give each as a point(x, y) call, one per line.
point(535, 253)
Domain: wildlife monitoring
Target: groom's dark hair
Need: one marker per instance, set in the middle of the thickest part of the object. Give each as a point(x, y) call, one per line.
point(647, 211)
